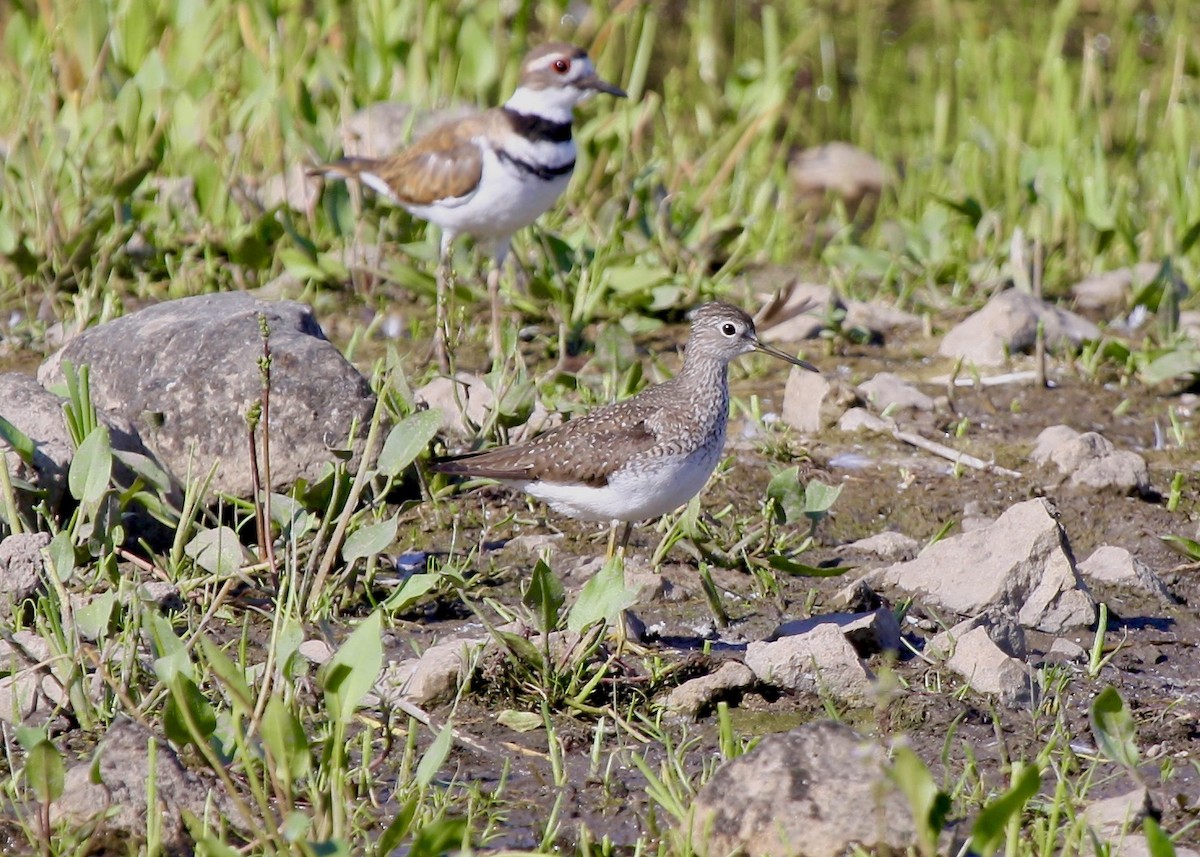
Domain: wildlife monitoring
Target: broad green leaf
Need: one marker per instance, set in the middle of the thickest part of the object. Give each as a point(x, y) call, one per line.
point(93, 619)
point(351, 672)
point(784, 489)
point(1186, 547)
point(44, 771)
point(218, 551)
point(1178, 362)
point(603, 597)
point(779, 562)
point(370, 540)
point(930, 805)
point(188, 716)
point(173, 658)
point(521, 648)
point(819, 499)
point(435, 756)
point(1157, 841)
point(1113, 728)
point(20, 442)
point(520, 721)
point(62, 555)
point(545, 596)
point(411, 591)
point(408, 439)
point(91, 468)
point(283, 735)
point(990, 825)
point(229, 674)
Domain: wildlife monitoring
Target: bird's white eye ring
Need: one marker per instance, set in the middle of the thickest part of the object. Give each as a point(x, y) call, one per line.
point(728, 329)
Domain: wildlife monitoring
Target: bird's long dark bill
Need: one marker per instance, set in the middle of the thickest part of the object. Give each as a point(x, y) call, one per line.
point(783, 355)
point(595, 82)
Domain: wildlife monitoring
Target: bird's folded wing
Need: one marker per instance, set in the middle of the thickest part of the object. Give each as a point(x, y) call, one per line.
point(444, 164)
point(571, 453)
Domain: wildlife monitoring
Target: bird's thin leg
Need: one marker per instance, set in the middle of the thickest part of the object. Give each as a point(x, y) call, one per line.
point(612, 542)
point(625, 534)
point(493, 287)
point(445, 274)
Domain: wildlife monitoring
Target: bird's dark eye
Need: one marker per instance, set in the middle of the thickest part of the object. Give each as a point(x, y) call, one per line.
point(562, 66)
point(728, 329)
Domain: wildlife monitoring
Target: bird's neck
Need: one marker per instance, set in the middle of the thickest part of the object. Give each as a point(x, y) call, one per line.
point(705, 381)
point(554, 106)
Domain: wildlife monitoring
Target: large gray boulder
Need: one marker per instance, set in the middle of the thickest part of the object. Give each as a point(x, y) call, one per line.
point(185, 373)
point(1021, 563)
point(818, 791)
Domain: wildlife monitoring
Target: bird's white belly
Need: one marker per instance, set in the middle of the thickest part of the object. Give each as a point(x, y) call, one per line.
point(631, 494)
point(506, 200)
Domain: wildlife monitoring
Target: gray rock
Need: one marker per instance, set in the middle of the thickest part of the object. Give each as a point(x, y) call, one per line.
point(818, 791)
point(38, 414)
point(692, 698)
point(294, 188)
point(315, 651)
point(989, 652)
point(802, 398)
point(1110, 290)
point(1002, 629)
point(1116, 816)
point(841, 169)
point(1007, 324)
point(433, 677)
point(30, 694)
point(1022, 564)
point(887, 390)
point(118, 801)
point(184, 373)
point(162, 594)
point(989, 670)
point(1067, 650)
point(887, 545)
point(869, 632)
point(878, 317)
point(22, 569)
point(1116, 565)
point(1090, 461)
point(819, 661)
point(860, 419)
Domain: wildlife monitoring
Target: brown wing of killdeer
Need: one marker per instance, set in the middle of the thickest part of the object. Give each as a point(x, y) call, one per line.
point(443, 165)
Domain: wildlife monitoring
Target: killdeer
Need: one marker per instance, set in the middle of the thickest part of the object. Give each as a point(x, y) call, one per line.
point(642, 457)
point(492, 173)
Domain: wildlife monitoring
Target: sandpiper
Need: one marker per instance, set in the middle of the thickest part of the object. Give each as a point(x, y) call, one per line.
point(645, 456)
point(492, 173)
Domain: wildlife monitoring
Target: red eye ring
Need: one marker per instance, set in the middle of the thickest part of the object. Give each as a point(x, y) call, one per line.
point(562, 66)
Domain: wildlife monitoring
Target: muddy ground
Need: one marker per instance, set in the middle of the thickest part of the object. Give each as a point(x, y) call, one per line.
point(888, 486)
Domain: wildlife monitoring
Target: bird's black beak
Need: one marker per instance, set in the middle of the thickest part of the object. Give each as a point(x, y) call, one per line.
point(594, 81)
point(783, 355)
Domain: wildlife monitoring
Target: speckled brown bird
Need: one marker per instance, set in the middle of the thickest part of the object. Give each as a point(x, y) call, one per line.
point(645, 456)
point(492, 173)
